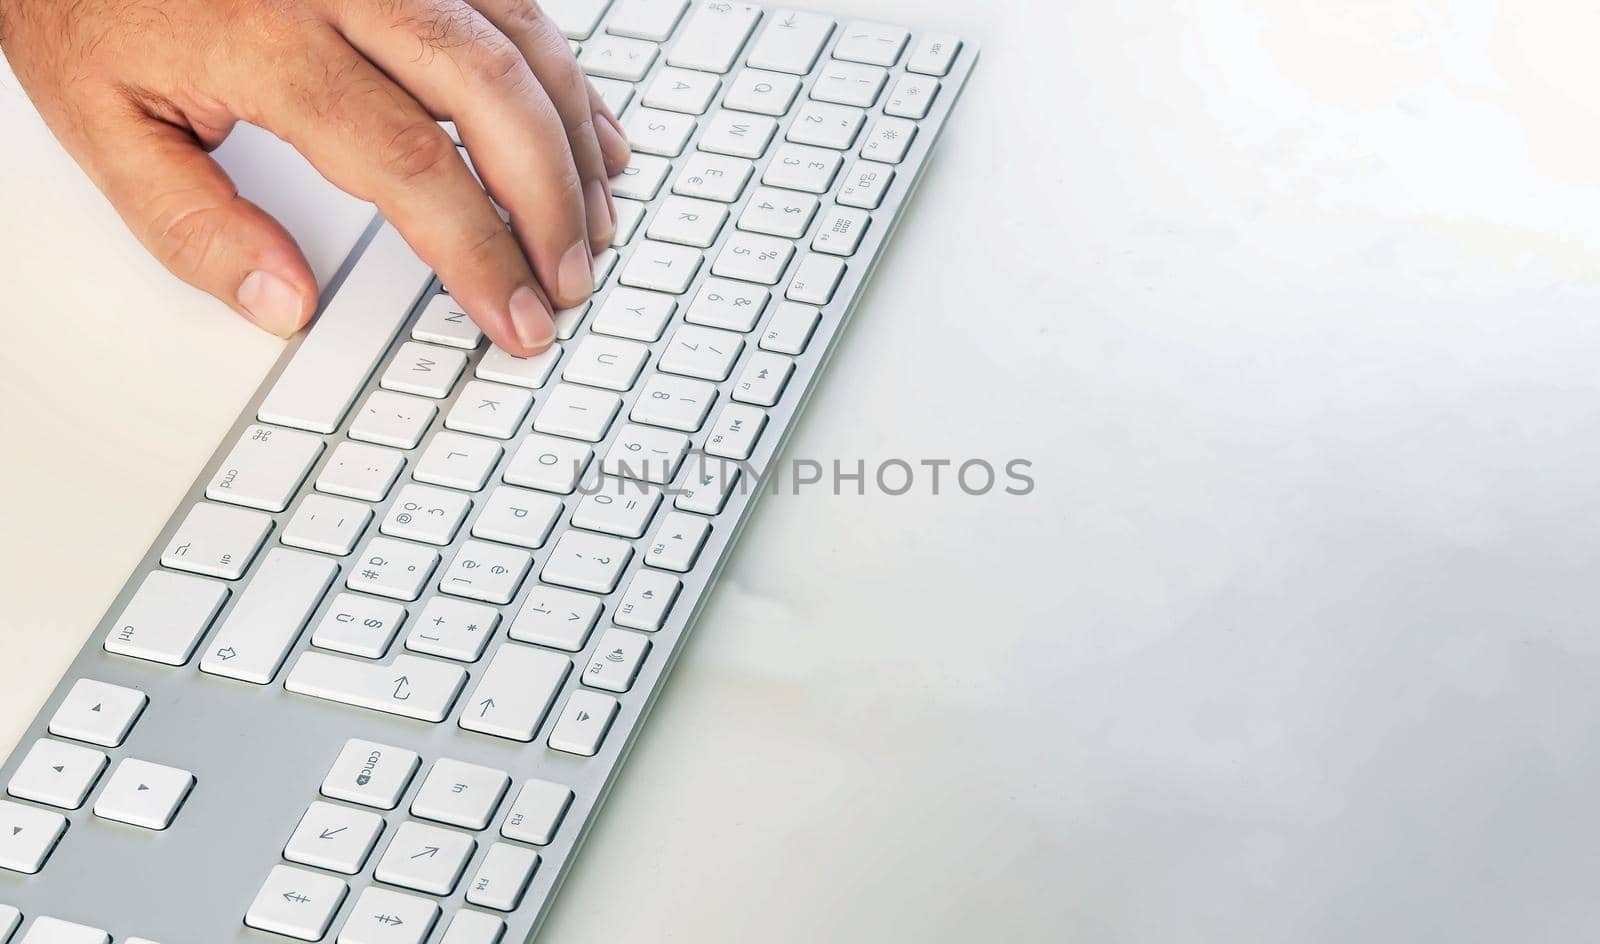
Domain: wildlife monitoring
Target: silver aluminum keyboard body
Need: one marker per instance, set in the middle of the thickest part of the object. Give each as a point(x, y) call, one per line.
point(259, 753)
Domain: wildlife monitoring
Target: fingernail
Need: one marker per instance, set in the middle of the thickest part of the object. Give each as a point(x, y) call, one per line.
point(601, 226)
point(530, 319)
point(613, 143)
point(576, 275)
point(271, 302)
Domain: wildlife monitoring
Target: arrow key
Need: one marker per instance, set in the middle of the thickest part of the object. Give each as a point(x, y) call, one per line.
point(336, 838)
point(425, 858)
point(381, 916)
point(57, 774)
point(27, 836)
point(296, 903)
point(140, 793)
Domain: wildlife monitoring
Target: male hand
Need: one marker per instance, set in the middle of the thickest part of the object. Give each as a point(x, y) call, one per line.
point(140, 90)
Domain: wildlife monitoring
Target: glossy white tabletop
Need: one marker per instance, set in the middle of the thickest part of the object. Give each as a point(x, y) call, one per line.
point(1292, 307)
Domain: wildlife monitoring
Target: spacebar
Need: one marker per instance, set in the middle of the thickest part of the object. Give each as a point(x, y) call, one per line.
point(318, 387)
point(409, 686)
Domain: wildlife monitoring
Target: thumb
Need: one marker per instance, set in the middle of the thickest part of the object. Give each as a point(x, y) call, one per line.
point(184, 209)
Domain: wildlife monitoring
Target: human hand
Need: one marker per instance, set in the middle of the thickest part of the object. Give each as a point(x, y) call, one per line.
point(140, 90)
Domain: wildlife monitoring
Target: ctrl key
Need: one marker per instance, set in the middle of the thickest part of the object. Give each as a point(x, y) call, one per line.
point(296, 903)
point(27, 836)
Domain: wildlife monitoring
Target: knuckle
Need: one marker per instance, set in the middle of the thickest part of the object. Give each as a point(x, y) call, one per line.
point(416, 150)
point(495, 62)
point(187, 239)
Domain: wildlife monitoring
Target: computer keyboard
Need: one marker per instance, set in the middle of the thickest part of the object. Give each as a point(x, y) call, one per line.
point(376, 675)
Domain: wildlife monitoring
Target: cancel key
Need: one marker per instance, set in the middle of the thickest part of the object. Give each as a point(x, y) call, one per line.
point(371, 774)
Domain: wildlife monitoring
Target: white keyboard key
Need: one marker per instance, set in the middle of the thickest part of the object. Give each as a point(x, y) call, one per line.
point(458, 460)
point(265, 468)
point(143, 794)
point(537, 812)
point(815, 279)
point(646, 603)
point(371, 774)
point(394, 569)
point(426, 370)
point(707, 353)
point(489, 409)
point(272, 610)
point(790, 328)
point(865, 184)
point(334, 837)
point(357, 470)
point(889, 140)
point(713, 177)
point(381, 916)
point(27, 836)
point(778, 213)
point(633, 313)
point(359, 625)
point(577, 19)
point(10, 918)
point(841, 231)
point(560, 619)
point(517, 516)
point(674, 402)
point(393, 419)
point(642, 178)
point(217, 541)
point(912, 97)
point(426, 514)
point(651, 131)
point(662, 267)
point(98, 713)
point(329, 525)
point(576, 412)
point(751, 257)
point(706, 484)
point(503, 877)
point(615, 94)
point(56, 774)
point(764, 93)
point(583, 724)
point(453, 629)
point(800, 167)
point(737, 134)
point(475, 927)
point(646, 19)
point(710, 41)
point(550, 463)
point(425, 858)
point(723, 303)
point(617, 660)
point(166, 618)
point(735, 432)
point(424, 689)
point(934, 54)
point(444, 322)
point(614, 57)
point(763, 379)
point(489, 572)
point(606, 362)
point(629, 215)
point(584, 561)
point(825, 125)
point(677, 541)
point(515, 692)
point(47, 930)
point(617, 506)
point(846, 83)
point(296, 903)
point(687, 221)
point(791, 42)
point(460, 794)
point(682, 91)
point(530, 372)
point(332, 365)
point(872, 43)
point(645, 453)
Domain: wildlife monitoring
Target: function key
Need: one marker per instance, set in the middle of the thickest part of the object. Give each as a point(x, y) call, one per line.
point(934, 55)
point(98, 712)
point(537, 812)
point(461, 794)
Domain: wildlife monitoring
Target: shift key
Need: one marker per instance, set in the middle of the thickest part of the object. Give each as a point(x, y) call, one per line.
point(411, 686)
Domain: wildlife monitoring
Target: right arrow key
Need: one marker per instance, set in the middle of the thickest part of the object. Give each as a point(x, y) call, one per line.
point(140, 793)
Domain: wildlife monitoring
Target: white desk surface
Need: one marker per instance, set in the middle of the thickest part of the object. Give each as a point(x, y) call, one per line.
point(1293, 308)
